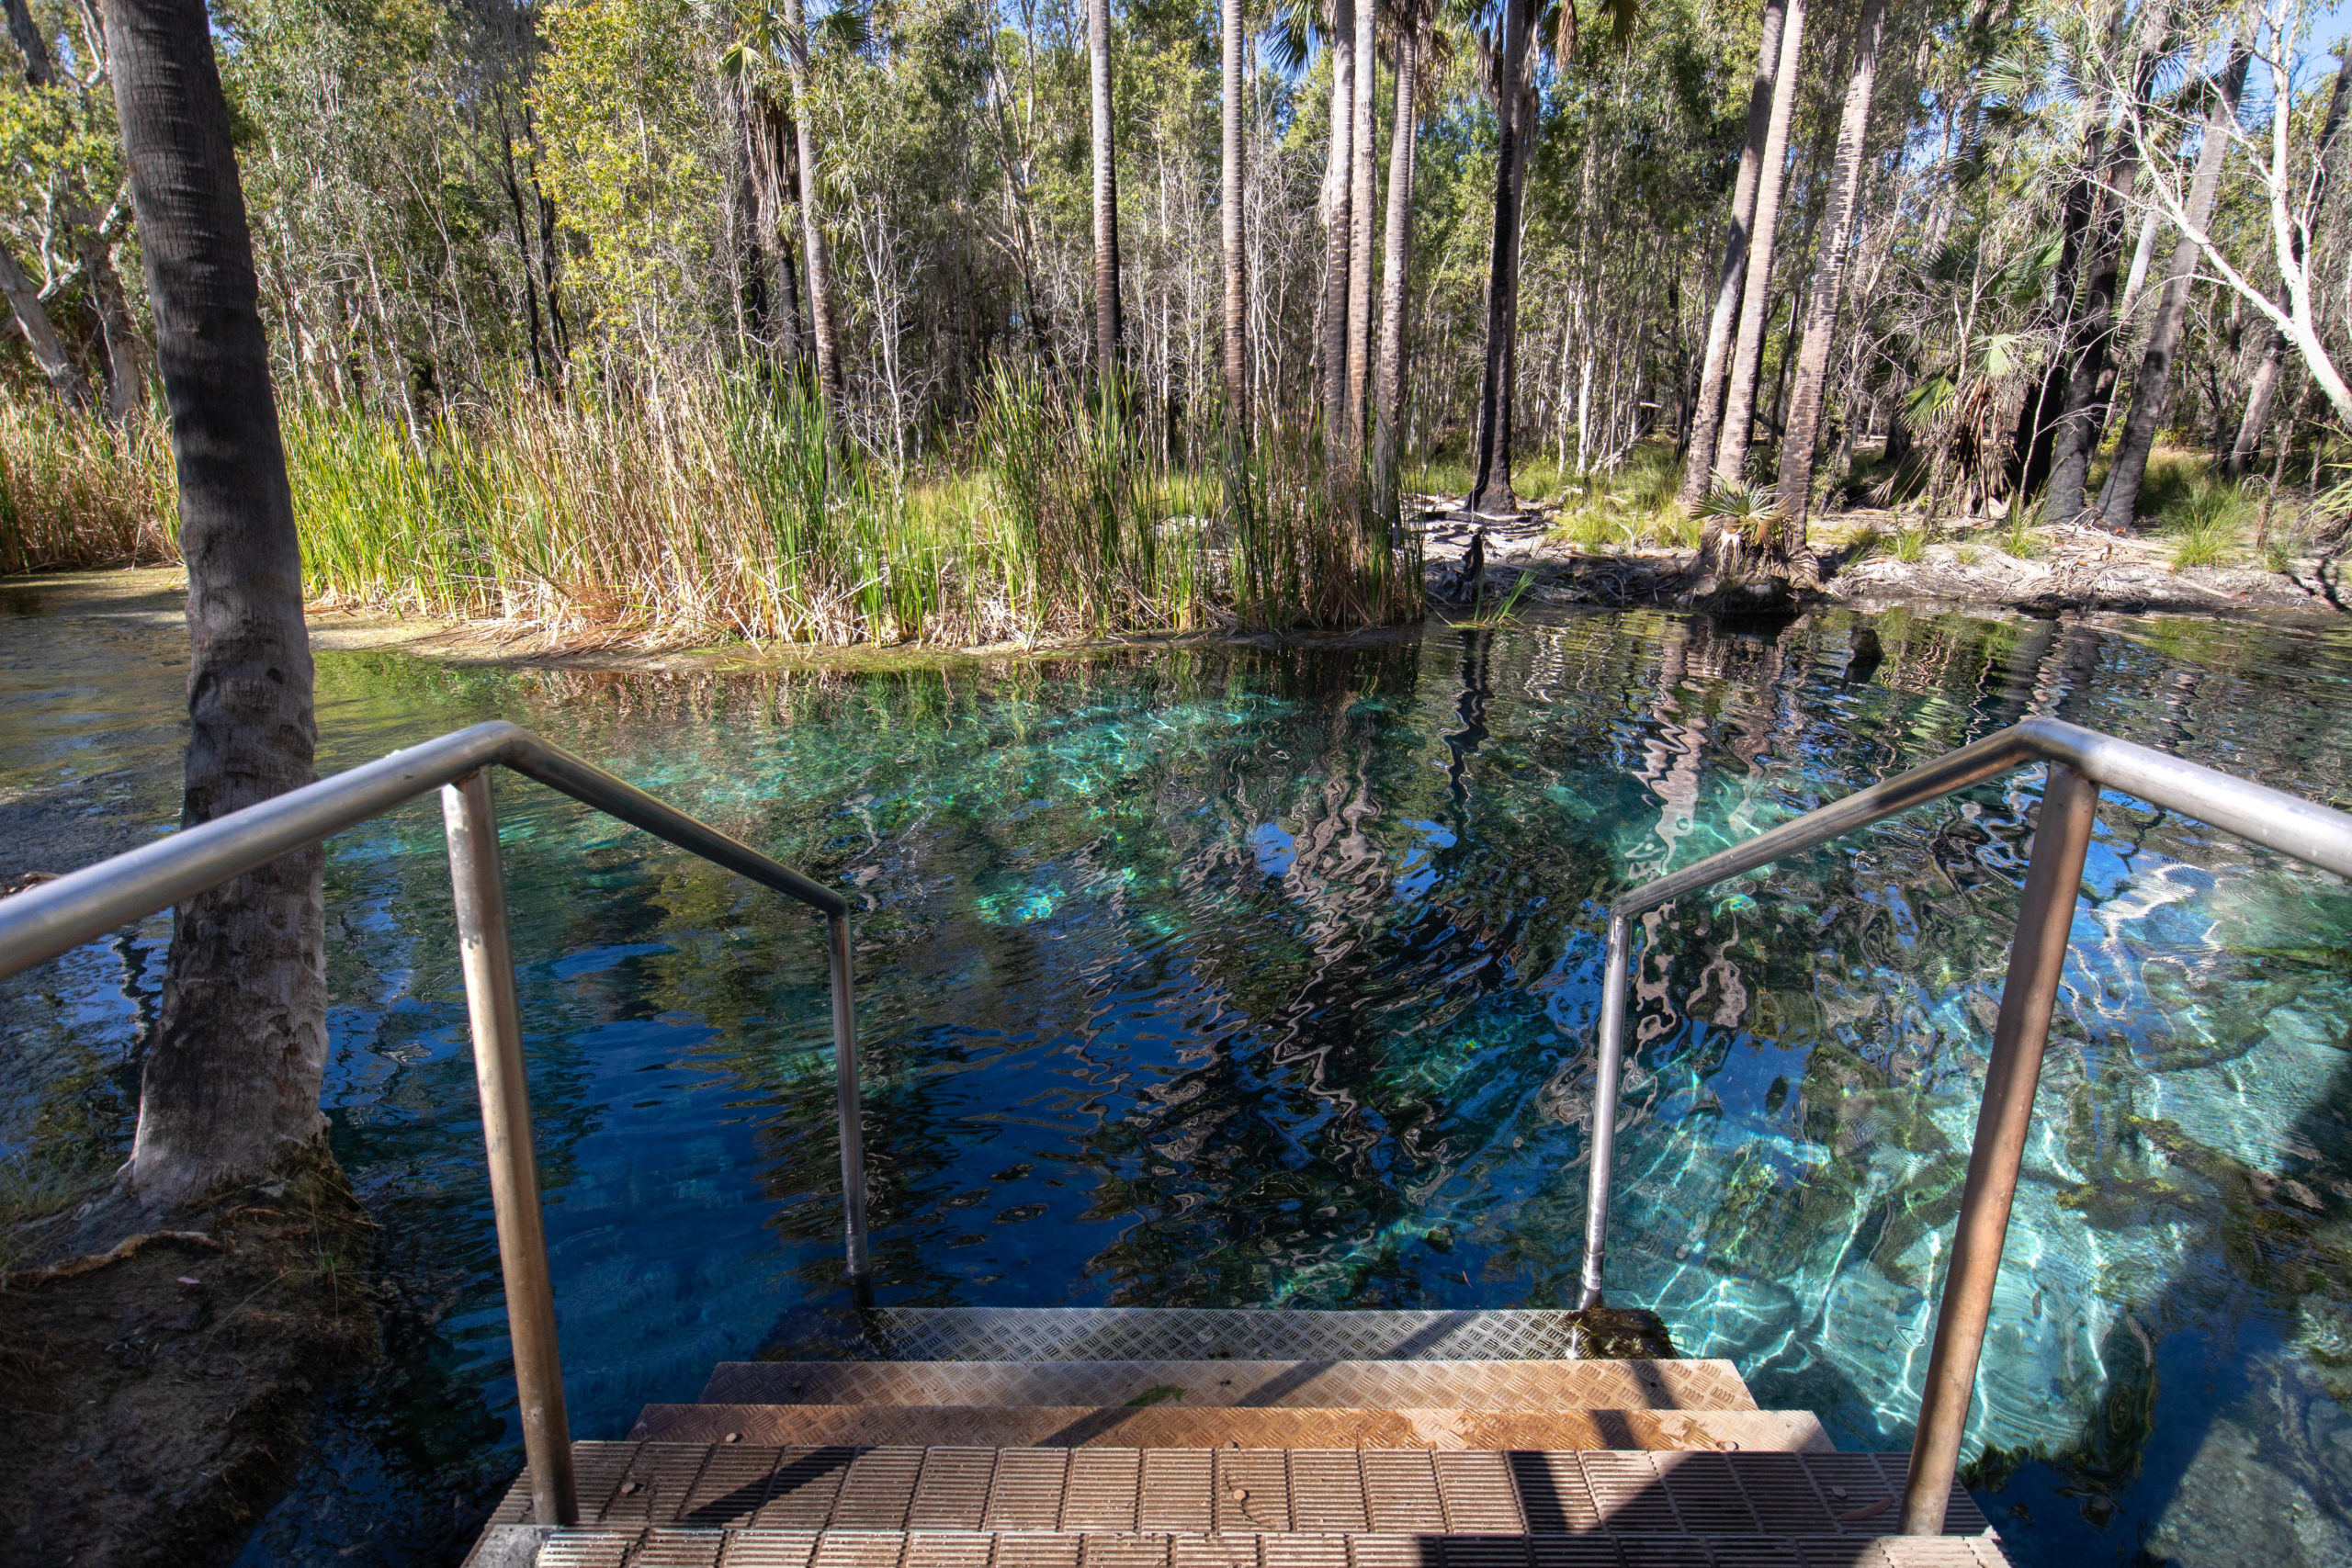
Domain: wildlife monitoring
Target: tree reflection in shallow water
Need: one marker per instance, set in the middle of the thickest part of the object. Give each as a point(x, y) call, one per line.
point(1270, 977)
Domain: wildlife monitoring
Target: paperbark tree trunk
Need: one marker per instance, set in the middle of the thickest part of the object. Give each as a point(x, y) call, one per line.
point(1232, 203)
point(1396, 272)
point(823, 334)
point(233, 1073)
point(1706, 419)
point(1490, 489)
point(1747, 356)
point(1338, 237)
point(1363, 198)
point(1796, 488)
point(1106, 197)
point(2155, 384)
point(48, 350)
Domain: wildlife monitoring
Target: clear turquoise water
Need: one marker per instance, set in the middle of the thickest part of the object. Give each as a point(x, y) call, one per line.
point(1270, 977)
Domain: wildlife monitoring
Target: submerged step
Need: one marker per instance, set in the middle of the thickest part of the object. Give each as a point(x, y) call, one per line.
point(1171, 1426)
point(1197, 1385)
point(1413, 1492)
point(1162, 1334)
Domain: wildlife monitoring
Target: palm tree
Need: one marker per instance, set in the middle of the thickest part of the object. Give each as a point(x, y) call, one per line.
point(1106, 195)
point(1232, 201)
point(1747, 354)
point(1490, 489)
point(2131, 466)
point(821, 333)
point(233, 1071)
point(1362, 199)
point(1338, 239)
point(1410, 20)
point(1828, 284)
point(1698, 459)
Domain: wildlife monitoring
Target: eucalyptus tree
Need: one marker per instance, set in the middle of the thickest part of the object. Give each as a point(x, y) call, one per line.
point(823, 328)
point(1748, 337)
point(233, 1070)
point(1714, 362)
point(1794, 489)
point(1233, 197)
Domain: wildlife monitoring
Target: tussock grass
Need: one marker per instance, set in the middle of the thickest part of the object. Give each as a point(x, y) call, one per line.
point(711, 511)
point(1631, 506)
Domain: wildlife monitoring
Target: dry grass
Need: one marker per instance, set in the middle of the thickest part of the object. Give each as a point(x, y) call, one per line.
point(76, 492)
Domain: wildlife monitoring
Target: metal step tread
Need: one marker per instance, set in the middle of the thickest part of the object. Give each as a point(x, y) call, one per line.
point(1160, 1334)
point(510, 1546)
point(1212, 1491)
point(1169, 1426)
point(1480, 1384)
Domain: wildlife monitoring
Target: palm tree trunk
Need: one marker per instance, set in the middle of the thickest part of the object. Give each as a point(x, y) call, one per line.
point(1706, 420)
point(40, 334)
point(1338, 237)
point(2172, 306)
point(1106, 197)
point(1396, 272)
point(1364, 198)
point(1747, 354)
point(1232, 202)
point(1490, 489)
point(821, 331)
point(1804, 427)
point(233, 1071)
point(2082, 418)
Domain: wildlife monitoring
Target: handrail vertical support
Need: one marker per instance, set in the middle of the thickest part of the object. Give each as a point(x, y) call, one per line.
point(1607, 1068)
point(850, 1111)
point(2054, 880)
point(480, 885)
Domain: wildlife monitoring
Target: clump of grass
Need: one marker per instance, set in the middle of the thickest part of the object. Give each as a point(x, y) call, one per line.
point(1631, 505)
point(76, 491)
point(1909, 546)
point(2020, 539)
point(2205, 521)
point(1966, 554)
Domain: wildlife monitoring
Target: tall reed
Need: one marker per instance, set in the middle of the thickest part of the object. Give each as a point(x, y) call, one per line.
point(703, 509)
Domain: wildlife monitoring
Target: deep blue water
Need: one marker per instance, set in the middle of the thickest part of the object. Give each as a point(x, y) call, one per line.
point(1269, 976)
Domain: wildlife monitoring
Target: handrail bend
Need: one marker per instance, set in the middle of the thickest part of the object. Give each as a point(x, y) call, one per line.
point(2081, 762)
point(54, 917)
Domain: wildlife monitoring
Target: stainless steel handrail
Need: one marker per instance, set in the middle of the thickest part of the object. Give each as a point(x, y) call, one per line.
point(49, 920)
point(2081, 762)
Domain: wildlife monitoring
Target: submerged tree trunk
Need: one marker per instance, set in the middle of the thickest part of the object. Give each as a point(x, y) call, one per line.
point(1747, 356)
point(2155, 384)
point(1490, 489)
point(233, 1071)
point(1339, 233)
point(821, 331)
point(1797, 439)
point(1706, 418)
point(1232, 203)
point(1363, 196)
point(1397, 264)
point(1106, 195)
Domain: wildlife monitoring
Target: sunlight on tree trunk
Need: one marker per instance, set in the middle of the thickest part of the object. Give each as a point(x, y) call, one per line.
point(1748, 353)
point(233, 1071)
point(1363, 198)
point(1232, 208)
point(1106, 197)
point(1396, 267)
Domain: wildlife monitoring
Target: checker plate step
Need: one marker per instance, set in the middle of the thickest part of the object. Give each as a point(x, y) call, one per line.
point(1168, 1334)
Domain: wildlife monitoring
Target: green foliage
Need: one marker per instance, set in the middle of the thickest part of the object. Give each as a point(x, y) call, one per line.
point(1908, 545)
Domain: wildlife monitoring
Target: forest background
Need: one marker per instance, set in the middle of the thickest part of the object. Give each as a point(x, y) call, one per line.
point(689, 319)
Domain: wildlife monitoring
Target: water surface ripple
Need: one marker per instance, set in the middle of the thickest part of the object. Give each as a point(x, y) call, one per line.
point(1270, 977)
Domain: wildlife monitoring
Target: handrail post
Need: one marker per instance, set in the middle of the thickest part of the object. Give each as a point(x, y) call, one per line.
point(2054, 879)
point(1608, 1069)
point(480, 885)
point(850, 1109)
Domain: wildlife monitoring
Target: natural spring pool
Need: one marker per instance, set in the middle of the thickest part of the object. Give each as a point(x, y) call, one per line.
point(1255, 977)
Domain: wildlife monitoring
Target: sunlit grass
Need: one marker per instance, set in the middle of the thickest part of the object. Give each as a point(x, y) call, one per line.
point(76, 491)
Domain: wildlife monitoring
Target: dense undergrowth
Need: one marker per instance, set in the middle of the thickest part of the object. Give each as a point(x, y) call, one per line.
point(703, 511)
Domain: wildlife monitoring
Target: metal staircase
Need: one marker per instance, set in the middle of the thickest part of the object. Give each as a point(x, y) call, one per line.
point(1147, 1437)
